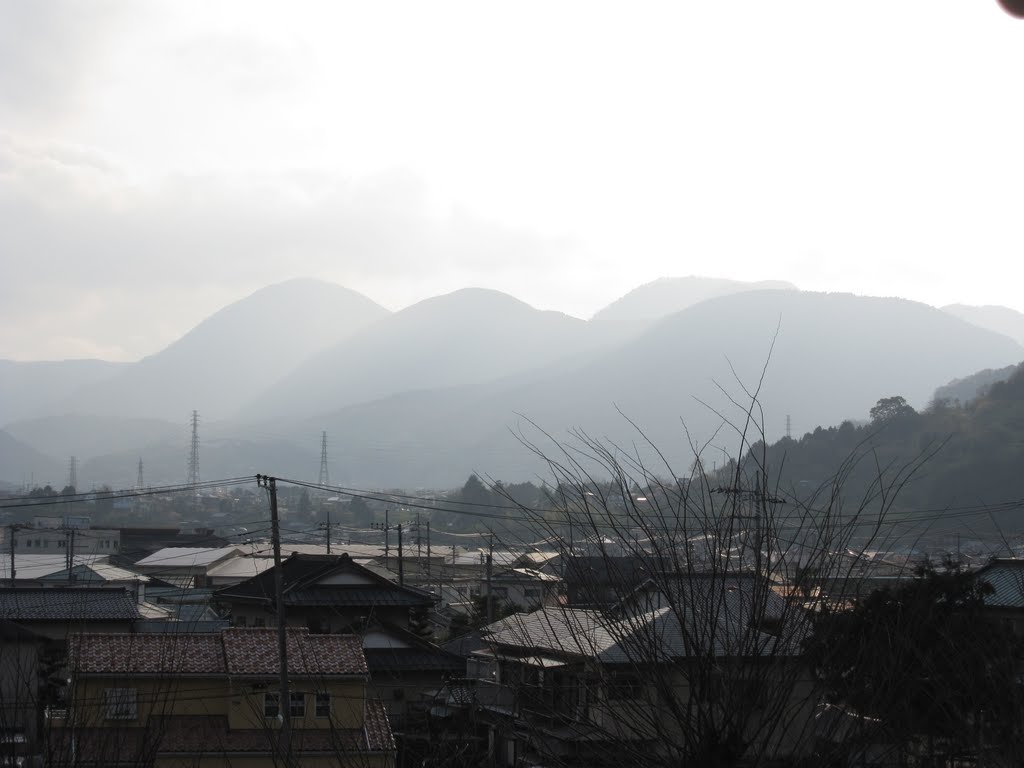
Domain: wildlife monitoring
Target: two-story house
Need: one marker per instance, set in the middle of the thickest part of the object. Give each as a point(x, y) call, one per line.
point(214, 700)
point(704, 670)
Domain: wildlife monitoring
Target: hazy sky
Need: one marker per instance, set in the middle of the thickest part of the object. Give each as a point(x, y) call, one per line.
point(159, 160)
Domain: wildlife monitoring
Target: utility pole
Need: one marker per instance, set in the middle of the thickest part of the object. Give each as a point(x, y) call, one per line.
point(10, 535)
point(387, 537)
point(284, 703)
point(490, 563)
point(71, 553)
point(419, 540)
point(401, 571)
point(428, 550)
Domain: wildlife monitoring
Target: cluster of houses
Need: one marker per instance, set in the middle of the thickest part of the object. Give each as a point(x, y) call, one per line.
point(167, 652)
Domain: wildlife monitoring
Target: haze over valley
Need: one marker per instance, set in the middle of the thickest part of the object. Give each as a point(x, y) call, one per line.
point(422, 397)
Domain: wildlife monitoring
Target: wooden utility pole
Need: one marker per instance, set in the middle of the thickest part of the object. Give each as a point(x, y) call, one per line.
point(10, 535)
point(387, 537)
point(490, 563)
point(284, 699)
point(401, 569)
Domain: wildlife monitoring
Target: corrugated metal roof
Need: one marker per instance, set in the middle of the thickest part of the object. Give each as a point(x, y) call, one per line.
point(186, 557)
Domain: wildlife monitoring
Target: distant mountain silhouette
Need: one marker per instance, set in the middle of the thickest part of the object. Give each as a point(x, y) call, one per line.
point(85, 435)
point(30, 389)
point(422, 397)
point(469, 336)
point(233, 354)
point(645, 305)
point(834, 356)
point(1004, 320)
point(22, 464)
point(975, 386)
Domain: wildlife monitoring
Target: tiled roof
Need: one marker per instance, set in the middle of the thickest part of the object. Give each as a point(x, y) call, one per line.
point(254, 652)
point(184, 654)
point(68, 604)
point(210, 736)
point(301, 575)
point(233, 651)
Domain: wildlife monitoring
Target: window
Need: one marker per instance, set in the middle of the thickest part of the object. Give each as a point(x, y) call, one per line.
point(259, 621)
point(120, 703)
point(323, 705)
point(622, 687)
point(271, 705)
point(240, 621)
point(28, 542)
point(296, 705)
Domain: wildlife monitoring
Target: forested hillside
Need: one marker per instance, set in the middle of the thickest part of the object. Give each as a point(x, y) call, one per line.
point(952, 464)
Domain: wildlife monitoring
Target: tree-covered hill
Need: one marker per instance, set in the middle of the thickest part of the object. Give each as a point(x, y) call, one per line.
point(953, 465)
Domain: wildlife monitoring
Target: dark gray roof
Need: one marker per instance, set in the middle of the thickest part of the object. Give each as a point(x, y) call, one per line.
point(1006, 576)
point(303, 575)
point(704, 616)
point(67, 604)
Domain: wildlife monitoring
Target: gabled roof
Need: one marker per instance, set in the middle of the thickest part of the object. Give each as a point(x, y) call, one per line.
point(390, 648)
point(186, 557)
point(233, 651)
point(1006, 576)
point(704, 616)
point(96, 573)
point(320, 580)
point(33, 567)
point(67, 604)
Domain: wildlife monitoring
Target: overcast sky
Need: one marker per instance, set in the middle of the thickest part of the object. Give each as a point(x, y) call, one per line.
point(159, 160)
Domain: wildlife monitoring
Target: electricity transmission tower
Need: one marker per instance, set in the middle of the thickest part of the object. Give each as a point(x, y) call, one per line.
point(139, 484)
point(193, 459)
point(73, 472)
point(325, 476)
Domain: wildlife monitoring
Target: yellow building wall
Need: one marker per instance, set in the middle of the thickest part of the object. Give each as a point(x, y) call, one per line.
point(348, 701)
point(154, 696)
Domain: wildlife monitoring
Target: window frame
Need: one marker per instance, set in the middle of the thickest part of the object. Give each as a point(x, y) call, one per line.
point(296, 704)
point(271, 704)
point(120, 703)
point(323, 704)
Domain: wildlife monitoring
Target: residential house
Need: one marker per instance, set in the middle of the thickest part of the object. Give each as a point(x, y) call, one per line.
point(524, 588)
point(330, 594)
point(214, 700)
point(710, 676)
point(1006, 601)
point(325, 594)
point(21, 680)
point(57, 612)
point(187, 567)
